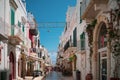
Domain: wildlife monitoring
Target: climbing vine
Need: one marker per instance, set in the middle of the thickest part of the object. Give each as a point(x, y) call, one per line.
point(89, 30)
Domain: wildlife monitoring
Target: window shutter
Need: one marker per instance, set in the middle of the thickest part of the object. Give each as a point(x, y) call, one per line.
point(23, 28)
point(12, 17)
point(82, 38)
point(12, 21)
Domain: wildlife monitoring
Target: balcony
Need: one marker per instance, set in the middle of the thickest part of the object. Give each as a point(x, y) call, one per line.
point(69, 48)
point(33, 31)
point(33, 50)
point(4, 30)
point(90, 8)
point(33, 54)
point(17, 35)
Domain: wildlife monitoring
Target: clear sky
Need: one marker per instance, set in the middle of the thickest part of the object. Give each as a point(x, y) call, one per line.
point(50, 11)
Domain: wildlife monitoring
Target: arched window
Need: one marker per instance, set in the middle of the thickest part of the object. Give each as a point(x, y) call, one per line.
point(102, 40)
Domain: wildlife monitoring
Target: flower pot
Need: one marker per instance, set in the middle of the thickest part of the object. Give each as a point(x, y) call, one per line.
point(89, 76)
point(114, 78)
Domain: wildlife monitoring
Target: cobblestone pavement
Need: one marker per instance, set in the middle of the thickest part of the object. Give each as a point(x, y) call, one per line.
point(57, 76)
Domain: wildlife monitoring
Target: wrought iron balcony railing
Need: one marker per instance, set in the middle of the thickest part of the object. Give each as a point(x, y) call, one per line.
point(18, 32)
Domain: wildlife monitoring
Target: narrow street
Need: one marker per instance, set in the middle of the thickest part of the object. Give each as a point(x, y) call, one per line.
point(60, 40)
point(57, 76)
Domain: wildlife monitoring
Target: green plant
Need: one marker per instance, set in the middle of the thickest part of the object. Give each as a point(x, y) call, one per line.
point(92, 25)
point(90, 29)
point(72, 58)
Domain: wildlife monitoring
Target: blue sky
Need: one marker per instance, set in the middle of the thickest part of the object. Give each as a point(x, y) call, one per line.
point(50, 11)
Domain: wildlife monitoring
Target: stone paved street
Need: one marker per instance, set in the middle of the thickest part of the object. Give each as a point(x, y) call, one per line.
point(57, 76)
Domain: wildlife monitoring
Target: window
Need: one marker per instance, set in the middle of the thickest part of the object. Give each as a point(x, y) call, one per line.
point(23, 29)
point(71, 41)
point(12, 20)
point(102, 37)
point(12, 16)
point(75, 37)
point(82, 38)
point(40, 54)
point(19, 24)
point(80, 15)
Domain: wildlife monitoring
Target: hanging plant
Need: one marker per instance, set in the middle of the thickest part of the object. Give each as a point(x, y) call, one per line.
point(91, 26)
point(94, 22)
point(72, 58)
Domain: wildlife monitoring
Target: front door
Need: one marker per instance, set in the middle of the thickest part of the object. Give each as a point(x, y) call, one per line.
point(12, 68)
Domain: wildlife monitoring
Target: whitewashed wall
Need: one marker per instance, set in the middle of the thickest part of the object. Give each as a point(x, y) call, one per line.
point(4, 58)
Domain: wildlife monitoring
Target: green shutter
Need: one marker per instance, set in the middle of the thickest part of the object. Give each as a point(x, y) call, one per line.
point(75, 37)
point(12, 21)
point(12, 17)
point(23, 28)
point(82, 38)
point(19, 24)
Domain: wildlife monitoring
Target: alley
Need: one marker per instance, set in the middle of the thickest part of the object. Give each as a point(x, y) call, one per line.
point(57, 76)
point(40, 38)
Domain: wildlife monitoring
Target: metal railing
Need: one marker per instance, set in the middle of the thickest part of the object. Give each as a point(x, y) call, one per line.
point(18, 32)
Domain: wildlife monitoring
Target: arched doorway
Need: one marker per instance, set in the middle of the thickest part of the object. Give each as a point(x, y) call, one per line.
point(12, 67)
point(102, 52)
point(100, 56)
